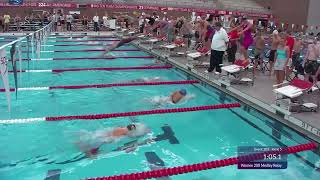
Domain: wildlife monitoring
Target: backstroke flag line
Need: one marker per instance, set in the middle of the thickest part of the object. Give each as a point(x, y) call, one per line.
point(20, 58)
point(13, 53)
point(4, 74)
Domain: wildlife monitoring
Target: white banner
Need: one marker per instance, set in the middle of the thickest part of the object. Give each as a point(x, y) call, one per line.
point(4, 74)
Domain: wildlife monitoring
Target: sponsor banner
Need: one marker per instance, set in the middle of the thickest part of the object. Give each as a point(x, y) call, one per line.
point(42, 4)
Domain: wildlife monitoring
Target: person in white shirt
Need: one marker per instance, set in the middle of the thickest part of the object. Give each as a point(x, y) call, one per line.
point(96, 23)
point(105, 20)
point(69, 19)
point(6, 18)
point(218, 47)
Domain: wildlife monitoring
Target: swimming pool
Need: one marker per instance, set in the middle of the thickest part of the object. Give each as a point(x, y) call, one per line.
point(34, 150)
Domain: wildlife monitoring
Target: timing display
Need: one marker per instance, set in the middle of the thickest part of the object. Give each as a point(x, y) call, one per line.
point(271, 157)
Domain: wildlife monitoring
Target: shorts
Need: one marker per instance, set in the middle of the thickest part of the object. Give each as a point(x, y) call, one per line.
point(272, 55)
point(258, 54)
point(279, 64)
point(311, 67)
point(246, 43)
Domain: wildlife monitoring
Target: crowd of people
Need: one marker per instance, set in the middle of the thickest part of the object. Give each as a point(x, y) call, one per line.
point(240, 38)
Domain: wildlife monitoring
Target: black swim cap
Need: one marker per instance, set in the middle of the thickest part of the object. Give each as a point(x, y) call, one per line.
point(131, 127)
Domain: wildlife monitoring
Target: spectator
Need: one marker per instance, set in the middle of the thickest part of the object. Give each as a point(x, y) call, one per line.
point(56, 18)
point(281, 60)
point(232, 45)
point(96, 23)
point(85, 22)
point(6, 18)
point(258, 50)
point(69, 19)
point(310, 62)
point(218, 47)
point(105, 21)
point(1, 24)
point(17, 21)
point(63, 22)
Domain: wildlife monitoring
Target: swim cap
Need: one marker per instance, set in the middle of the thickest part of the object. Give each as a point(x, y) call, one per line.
point(275, 32)
point(183, 92)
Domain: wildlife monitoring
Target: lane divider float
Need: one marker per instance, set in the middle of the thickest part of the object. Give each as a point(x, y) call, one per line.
point(97, 69)
point(88, 50)
point(91, 58)
point(124, 114)
point(104, 85)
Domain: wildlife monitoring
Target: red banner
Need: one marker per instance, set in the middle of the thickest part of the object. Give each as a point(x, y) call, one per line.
point(62, 5)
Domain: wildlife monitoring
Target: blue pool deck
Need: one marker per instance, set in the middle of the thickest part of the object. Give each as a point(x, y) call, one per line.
point(259, 96)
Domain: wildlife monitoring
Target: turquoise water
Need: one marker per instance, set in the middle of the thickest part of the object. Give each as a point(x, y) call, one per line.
point(29, 151)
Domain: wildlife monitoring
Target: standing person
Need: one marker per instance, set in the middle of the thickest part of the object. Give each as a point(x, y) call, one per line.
point(17, 21)
point(247, 38)
point(274, 45)
point(1, 23)
point(310, 62)
point(290, 44)
point(69, 19)
point(63, 22)
point(105, 21)
point(96, 23)
point(186, 32)
point(281, 61)
point(218, 47)
point(55, 20)
point(85, 22)
point(232, 45)
point(259, 50)
point(141, 24)
point(296, 63)
point(6, 18)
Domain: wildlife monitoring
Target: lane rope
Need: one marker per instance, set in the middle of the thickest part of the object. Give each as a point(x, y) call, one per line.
point(104, 85)
point(91, 58)
point(97, 69)
point(205, 165)
point(93, 40)
point(90, 50)
point(124, 114)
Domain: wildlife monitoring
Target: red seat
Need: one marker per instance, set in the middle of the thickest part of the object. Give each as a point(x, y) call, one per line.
point(203, 50)
point(242, 63)
point(302, 84)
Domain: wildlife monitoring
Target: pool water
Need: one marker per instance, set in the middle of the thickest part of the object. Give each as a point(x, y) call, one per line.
point(31, 151)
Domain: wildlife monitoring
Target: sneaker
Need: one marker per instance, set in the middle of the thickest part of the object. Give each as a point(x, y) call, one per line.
point(206, 71)
point(217, 73)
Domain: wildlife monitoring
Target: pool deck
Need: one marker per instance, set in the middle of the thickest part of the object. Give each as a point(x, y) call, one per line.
point(259, 96)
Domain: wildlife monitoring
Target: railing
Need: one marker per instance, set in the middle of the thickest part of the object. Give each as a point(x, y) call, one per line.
point(33, 42)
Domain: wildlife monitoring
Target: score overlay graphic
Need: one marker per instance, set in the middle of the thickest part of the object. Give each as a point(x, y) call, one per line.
point(272, 158)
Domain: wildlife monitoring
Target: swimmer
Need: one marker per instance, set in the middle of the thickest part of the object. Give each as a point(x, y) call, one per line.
point(120, 43)
point(90, 143)
point(178, 95)
point(145, 79)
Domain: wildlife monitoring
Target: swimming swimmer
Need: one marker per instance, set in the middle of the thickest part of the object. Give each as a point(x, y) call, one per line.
point(145, 79)
point(120, 43)
point(178, 95)
point(90, 143)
